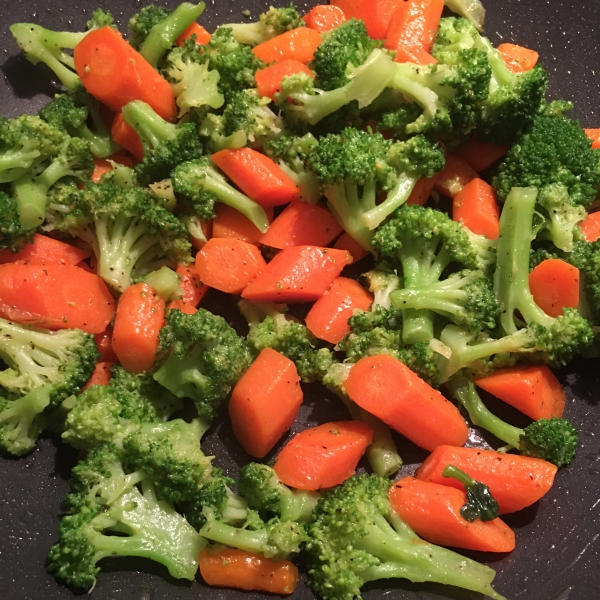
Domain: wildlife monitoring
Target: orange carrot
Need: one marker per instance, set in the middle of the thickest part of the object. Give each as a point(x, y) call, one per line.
point(140, 316)
point(414, 25)
point(184, 307)
point(554, 285)
point(202, 36)
point(55, 296)
point(265, 402)
point(422, 191)
point(297, 44)
point(302, 224)
point(376, 14)
point(328, 318)
point(534, 390)
point(112, 71)
point(323, 456)
point(126, 137)
point(433, 511)
point(591, 227)
point(594, 135)
point(517, 58)
point(228, 264)
point(454, 176)
point(192, 290)
point(101, 167)
point(46, 250)
point(298, 274)
point(414, 54)
point(348, 243)
point(257, 176)
point(388, 389)
point(476, 208)
point(104, 344)
point(268, 80)
point(324, 17)
point(100, 376)
point(481, 155)
point(231, 223)
point(230, 567)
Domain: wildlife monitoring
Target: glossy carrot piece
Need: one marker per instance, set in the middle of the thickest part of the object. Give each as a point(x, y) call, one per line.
point(376, 14)
point(323, 456)
point(480, 155)
point(328, 317)
point(324, 17)
point(454, 176)
point(140, 317)
point(265, 402)
point(126, 137)
point(104, 344)
point(554, 285)
point(348, 243)
point(268, 80)
point(100, 376)
point(112, 71)
point(233, 568)
point(257, 176)
point(594, 135)
point(422, 191)
point(46, 250)
point(298, 274)
point(591, 227)
point(475, 206)
point(192, 290)
point(202, 36)
point(55, 297)
point(515, 481)
point(101, 167)
point(414, 54)
point(231, 223)
point(229, 264)
point(388, 389)
point(297, 44)
point(517, 58)
point(534, 390)
point(432, 511)
point(302, 224)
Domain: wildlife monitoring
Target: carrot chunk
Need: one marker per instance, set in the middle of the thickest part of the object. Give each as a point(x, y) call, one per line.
point(454, 176)
point(517, 58)
point(554, 285)
point(268, 80)
point(202, 36)
point(481, 155)
point(324, 17)
point(476, 208)
point(348, 243)
point(46, 250)
point(591, 227)
point(104, 344)
point(100, 376)
point(376, 14)
point(594, 135)
point(297, 44)
point(231, 223)
point(126, 137)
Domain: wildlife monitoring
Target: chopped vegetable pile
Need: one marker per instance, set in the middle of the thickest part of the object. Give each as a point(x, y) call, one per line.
point(259, 161)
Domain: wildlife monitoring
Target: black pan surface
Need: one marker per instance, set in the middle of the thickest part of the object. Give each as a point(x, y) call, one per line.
point(558, 539)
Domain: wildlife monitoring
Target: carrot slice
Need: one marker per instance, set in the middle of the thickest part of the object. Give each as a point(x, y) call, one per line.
point(100, 376)
point(481, 155)
point(388, 389)
point(414, 54)
point(265, 402)
point(231, 223)
point(515, 481)
point(268, 80)
point(228, 264)
point(112, 71)
point(104, 344)
point(517, 58)
point(298, 274)
point(324, 17)
point(323, 456)
point(534, 390)
point(297, 44)
point(55, 297)
point(46, 250)
point(591, 227)
point(202, 36)
point(302, 224)
point(454, 176)
point(348, 243)
point(101, 167)
point(328, 318)
point(422, 191)
point(192, 290)
point(376, 14)
point(230, 567)
point(126, 137)
point(433, 511)
point(140, 316)
point(554, 285)
point(184, 307)
point(476, 208)
point(594, 135)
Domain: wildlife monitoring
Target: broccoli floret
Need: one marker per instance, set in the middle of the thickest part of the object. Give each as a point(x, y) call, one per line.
point(291, 154)
point(356, 537)
point(472, 10)
point(100, 18)
point(201, 184)
point(480, 502)
point(555, 156)
point(270, 24)
point(554, 440)
point(354, 166)
point(205, 361)
point(343, 49)
point(12, 234)
point(397, 121)
point(142, 23)
point(264, 491)
point(106, 501)
point(165, 145)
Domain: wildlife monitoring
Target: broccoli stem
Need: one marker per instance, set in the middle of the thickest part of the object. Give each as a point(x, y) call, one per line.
point(165, 282)
point(163, 35)
point(31, 201)
point(298, 506)
point(18, 418)
point(395, 198)
point(100, 140)
point(152, 129)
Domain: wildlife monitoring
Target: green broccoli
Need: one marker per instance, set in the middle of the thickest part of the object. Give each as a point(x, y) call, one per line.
point(356, 537)
point(142, 23)
point(554, 440)
point(12, 235)
point(480, 502)
point(100, 18)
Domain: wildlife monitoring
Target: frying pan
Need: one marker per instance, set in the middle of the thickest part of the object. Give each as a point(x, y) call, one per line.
point(558, 539)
